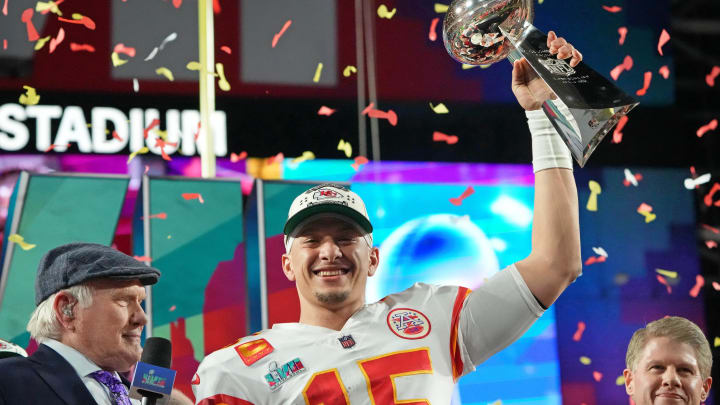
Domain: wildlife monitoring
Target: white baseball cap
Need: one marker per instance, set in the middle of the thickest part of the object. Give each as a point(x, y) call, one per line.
point(327, 198)
point(8, 349)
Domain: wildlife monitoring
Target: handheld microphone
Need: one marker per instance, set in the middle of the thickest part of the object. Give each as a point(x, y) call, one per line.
point(153, 380)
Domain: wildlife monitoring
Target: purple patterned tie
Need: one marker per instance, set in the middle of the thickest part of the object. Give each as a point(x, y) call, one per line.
point(118, 391)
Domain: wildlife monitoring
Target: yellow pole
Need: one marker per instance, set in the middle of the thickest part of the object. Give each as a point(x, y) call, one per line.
point(206, 45)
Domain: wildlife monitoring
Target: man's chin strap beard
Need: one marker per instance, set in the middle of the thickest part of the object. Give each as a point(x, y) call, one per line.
point(332, 298)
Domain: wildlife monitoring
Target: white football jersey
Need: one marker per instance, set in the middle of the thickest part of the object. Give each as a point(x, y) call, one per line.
point(410, 348)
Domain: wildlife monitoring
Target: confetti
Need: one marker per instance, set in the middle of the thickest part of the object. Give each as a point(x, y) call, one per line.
point(326, 111)
point(75, 47)
point(147, 169)
point(600, 251)
point(595, 259)
point(44, 8)
point(710, 228)
point(177, 3)
point(318, 72)
point(142, 258)
point(154, 123)
point(234, 157)
point(646, 211)
point(716, 285)
point(222, 82)
point(439, 109)
point(276, 159)
point(53, 146)
point(664, 38)
point(623, 33)
point(165, 72)
point(667, 273)
point(716, 343)
point(307, 155)
point(597, 376)
point(432, 35)
point(116, 61)
point(699, 283)
point(457, 201)
point(153, 53)
point(465, 66)
point(579, 332)
point(193, 196)
point(172, 308)
point(696, 182)
point(54, 42)
point(30, 97)
point(26, 17)
point(277, 36)
point(627, 64)
point(140, 151)
point(585, 360)
point(4, 44)
point(136, 85)
point(707, 127)
point(80, 19)
point(15, 238)
point(389, 115)
point(617, 134)
point(161, 215)
point(620, 380)
point(116, 136)
point(664, 71)
point(595, 190)
point(497, 402)
point(383, 12)
point(346, 147)
point(710, 78)
point(121, 48)
point(368, 108)
point(349, 69)
point(41, 42)
point(631, 178)
point(708, 200)
point(646, 84)
point(226, 49)
point(711, 244)
point(612, 9)
point(441, 8)
point(440, 137)
point(664, 282)
point(359, 161)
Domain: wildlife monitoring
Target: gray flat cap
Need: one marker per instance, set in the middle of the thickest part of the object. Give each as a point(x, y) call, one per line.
point(74, 263)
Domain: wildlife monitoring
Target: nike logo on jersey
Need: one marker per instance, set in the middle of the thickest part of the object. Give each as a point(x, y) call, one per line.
point(279, 374)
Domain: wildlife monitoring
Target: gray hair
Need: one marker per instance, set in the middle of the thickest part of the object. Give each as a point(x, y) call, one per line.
point(44, 324)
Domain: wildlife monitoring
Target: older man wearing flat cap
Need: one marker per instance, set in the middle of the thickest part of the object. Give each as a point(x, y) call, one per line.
point(88, 322)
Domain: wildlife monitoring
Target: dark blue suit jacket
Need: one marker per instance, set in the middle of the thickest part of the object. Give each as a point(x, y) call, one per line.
point(43, 378)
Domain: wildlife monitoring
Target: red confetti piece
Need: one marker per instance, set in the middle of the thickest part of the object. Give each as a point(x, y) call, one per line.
point(637, 176)
point(4, 9)
point(440, 137)
point(197, 133)
point(664, 282)
point(710, 228)
point(597, 376)
point(711, 244)
point(54, 42)
point(193, 196)
point(432, 35)
point(147, 169)
point(699, 283)
point(627, 64)
point(234, 157)
point(86, 21)
point(172, 308)
point(326, 111)
point(26, 17)
point(710, 78)
point(142, 258)
point(579, 332)
point(277, 36)
point(623, 33)
point(368, 108)
point(152, 125)
point(716, 285)
point(707, 127)
point(177, 3)
point(595, 259)
point(709, 196)
point(389, 115)
point(664, 72)
point(4, 44)
point(645, 208)
point(664, 37)
point(121, 48)
point(116, 136)
point(359, 161)
point(276, 159)
point(75, 47)
point(47, 10)
point(53, 146)
point(161, 215)
point(648, 78)
point(226, 49)
point(457, 201)
point(612, 9)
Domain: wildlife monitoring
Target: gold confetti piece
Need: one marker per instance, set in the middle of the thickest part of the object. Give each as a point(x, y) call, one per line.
point(439, 109)
point(165, 72)
point(140, 151)
point(50, 5)
point(30, 97)
point(193, 65)
point(667, 273)
point(345, 146)
point(41, 42)
point(717, 341)
point(540, 1)
point(222, 83)
point(161, 134)
point(441, 8)
point(465, 66)
point(349, 69)
point(595, 189)
point(383, 12)
point(15, 238)
point(116, 61)
point(585, 360)
point(620, 380)
point(318, 71)
point(307, 155)
point(498, 402)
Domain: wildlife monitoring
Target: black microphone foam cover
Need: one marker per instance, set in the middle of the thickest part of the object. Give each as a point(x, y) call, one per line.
point(157, 351)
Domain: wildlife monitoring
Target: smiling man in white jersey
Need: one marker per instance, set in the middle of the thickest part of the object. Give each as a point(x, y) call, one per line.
point(410, 347)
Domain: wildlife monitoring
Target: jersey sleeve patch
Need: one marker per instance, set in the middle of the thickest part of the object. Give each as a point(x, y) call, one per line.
point(455, 354)
point(254, 350)
point(222, 399)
